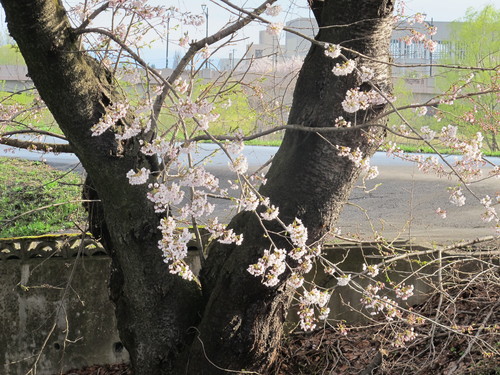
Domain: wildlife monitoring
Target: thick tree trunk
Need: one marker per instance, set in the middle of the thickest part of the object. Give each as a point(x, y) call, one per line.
point(154, 309)
point(243, 320)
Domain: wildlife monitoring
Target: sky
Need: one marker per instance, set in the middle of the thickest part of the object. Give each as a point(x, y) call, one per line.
point(218, 16)
point(437, 10)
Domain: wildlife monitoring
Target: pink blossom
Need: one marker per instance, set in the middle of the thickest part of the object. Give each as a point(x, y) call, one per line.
point(295, 280)
point(332, 50)
point(138, 178)
point(441, 212)
point(457, 197)
point(181, 86)
point(273, 10)
point(239, 165)
point(419, 17)
point(371, 270)
point(298, 233)
point(274, 28)
point(270, 213)
point(163, 195)
point(431, 30)
point(430, 45)
point(340, 122)
point(366, 74)
point(404, 291)
point(184, 40)
point(343, 280)
point(114, 113)
point(345, 68)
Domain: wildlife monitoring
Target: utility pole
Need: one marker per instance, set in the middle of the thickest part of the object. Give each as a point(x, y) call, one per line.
point(430, 65)
point(168, 41)
point(204, 8)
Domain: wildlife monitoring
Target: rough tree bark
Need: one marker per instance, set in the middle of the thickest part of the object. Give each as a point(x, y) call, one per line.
point(154, 309)
point(241, 320)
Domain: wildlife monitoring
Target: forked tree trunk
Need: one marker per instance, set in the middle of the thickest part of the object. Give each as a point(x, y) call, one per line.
point(241, 320)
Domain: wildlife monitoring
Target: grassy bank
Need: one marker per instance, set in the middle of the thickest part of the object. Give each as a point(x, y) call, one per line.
point(34, 196)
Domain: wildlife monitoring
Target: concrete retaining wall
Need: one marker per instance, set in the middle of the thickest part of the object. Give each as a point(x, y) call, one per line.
point(55, 312)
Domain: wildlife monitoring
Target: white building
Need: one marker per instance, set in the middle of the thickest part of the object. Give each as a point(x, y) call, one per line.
point(419, 79)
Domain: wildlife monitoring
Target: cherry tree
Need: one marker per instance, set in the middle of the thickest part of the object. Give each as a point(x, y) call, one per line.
point(231, 316)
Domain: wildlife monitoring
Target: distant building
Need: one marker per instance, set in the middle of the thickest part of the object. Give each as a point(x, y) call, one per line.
point(14, 78)
point(419, 79)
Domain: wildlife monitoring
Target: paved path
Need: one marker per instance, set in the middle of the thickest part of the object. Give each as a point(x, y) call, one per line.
point(402, 206)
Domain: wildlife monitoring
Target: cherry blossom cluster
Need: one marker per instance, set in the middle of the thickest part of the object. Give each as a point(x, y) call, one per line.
point(344, 69)
point(340, 122)
point(187, 108)
point(220, 232)
point(421, 111)
point(427, 133)
point(404, 291)
point(490, 213)
point(10, 111)
point(239, 165)
point(114, 113)
point(164, 195)
point(271, 265)
point(371, 270)
point(456, 196)
point(274, 28)
point(308, 302)
point(343, 280)
point(332, 50)
point(200, 177)
point(181, 86)
point(402, 337)
point(249, 202)
point(174, 247)
point(140, 123)
point(271, 212)
point(273, 10)
point(469, 165)
point(199, 206)
point(356, 156)
point(274, 262)
point(138, 178)
point(298, 233)
point(356, 100)
point(420, 37)
point(158, 146)
point(425, 163)
point(372, 301)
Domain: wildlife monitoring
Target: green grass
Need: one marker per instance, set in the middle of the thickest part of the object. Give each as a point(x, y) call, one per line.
point(26, 187)
point(10, 55)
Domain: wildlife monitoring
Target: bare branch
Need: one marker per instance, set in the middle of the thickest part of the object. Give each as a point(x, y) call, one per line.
point(94, 14)
point(33, 131)
point(197, 46)
point(38, 146)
